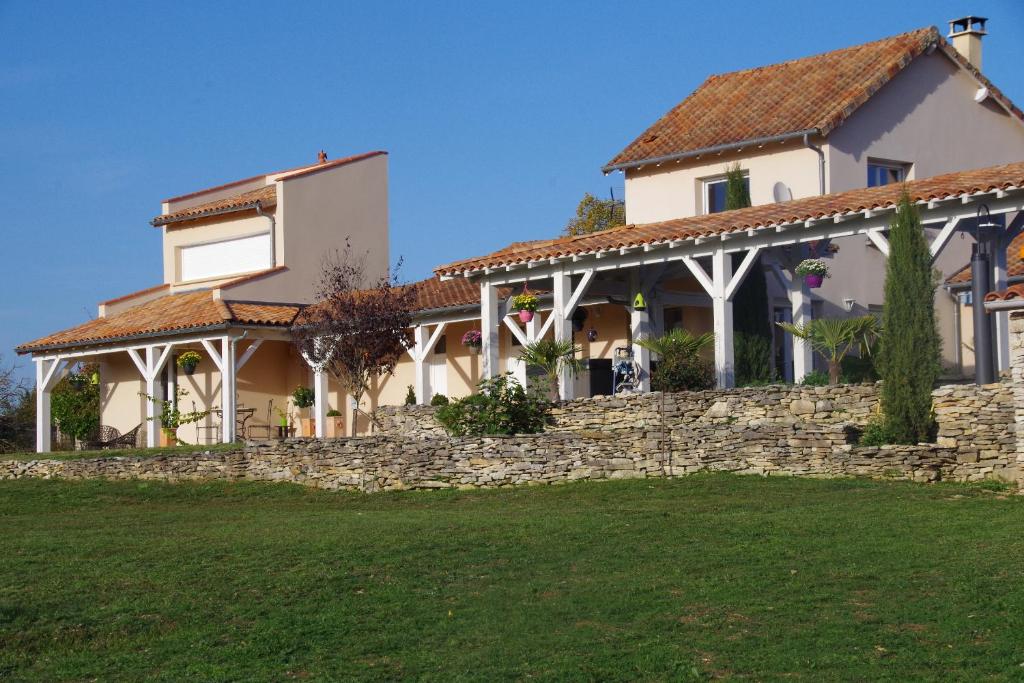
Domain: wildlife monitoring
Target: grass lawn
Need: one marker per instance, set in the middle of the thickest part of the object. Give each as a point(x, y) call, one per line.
point(123, 452)
point(701, 577)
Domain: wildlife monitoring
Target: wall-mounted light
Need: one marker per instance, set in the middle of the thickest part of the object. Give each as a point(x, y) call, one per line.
point(849, 304)
point(592, 334)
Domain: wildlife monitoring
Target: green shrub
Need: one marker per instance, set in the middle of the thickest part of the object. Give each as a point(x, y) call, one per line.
point(815, 378)
point(876, 433)
point(856, 369)
point(333, 413)
point(75, 406)
point(683, 374)
point(439, 400)
point(501, 406)
point(303, 397)
point(410, 396)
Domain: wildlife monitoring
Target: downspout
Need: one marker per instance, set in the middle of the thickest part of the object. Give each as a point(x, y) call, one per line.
point(821, 162)
point(273, 232)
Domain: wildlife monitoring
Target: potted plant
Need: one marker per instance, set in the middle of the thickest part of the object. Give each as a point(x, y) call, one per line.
point(473, 340)
point(282, 422)
point(335, 426)
point(188, 361)
point(526, 304)
point(813, 271)
point(170, 417)
point(304, 397)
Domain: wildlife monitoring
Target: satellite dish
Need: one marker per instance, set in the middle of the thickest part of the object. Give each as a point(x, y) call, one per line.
point(781, 192)
point(981, 95)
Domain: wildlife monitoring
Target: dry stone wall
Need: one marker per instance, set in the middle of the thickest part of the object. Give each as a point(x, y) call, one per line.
point(795, 431)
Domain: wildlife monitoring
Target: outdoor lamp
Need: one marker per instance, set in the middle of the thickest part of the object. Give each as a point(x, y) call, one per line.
point(639, 303)
point(592, 334)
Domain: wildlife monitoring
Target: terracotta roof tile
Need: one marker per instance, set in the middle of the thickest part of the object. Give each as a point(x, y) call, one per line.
point(1011, 293)
point(266, 196)
point(170, 313)
point(813, 94)
point(752, 218)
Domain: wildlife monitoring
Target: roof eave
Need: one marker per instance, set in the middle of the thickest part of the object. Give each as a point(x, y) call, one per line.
point(715, 149)
point(160, 221)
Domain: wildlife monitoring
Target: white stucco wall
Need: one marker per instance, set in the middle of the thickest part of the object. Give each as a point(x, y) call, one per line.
point(675, 190)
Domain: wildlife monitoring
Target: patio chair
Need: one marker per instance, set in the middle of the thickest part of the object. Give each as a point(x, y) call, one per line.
point(107, 437)
point(259, 430)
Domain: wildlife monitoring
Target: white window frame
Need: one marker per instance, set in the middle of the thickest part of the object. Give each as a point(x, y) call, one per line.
point(902, 166)
point(705, 186)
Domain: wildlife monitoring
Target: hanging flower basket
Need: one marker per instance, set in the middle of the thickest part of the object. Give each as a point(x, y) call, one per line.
point(526, 304)
point(813, 271)
point(188, 361)
point(473, 340)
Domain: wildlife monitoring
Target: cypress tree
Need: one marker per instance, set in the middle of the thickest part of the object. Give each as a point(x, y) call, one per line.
point(910, 350)
point(752, 332)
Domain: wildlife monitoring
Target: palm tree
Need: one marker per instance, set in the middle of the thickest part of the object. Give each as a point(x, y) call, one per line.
point(678, 344)
point(833, 338)
point(553, 357)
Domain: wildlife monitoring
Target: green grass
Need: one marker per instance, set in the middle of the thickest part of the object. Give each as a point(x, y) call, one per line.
point(702, 577)
point(120, 453)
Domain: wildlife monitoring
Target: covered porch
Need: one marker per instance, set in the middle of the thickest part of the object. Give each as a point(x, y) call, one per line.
point(636, 260)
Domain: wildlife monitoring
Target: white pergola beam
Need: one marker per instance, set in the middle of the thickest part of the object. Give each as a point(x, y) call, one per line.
point(741, 273)
point(942, 239)
point(700, 274)
point(249, 351)
point(879, 240)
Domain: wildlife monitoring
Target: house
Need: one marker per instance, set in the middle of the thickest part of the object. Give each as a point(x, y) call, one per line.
point(828, 144)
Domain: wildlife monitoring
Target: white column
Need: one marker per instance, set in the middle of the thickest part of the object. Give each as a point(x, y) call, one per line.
point(800, 303)
point(721, 274)
point(489, 320)
point(421, 381)
point(320, 401)
point(640, 328)
point(1000, 319)
point(47, 374)
point(228, 378)
point(563, 326)
point(150, 378)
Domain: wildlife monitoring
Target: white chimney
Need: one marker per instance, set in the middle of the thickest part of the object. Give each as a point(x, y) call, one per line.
point(966, 34)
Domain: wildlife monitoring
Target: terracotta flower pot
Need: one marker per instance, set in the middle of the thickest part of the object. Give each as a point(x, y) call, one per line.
point(814, 281)
point(525, 316)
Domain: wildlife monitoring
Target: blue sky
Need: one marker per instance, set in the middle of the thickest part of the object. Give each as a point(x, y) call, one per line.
point(497, 116)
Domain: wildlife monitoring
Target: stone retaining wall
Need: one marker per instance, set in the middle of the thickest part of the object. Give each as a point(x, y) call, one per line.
point(798, 431)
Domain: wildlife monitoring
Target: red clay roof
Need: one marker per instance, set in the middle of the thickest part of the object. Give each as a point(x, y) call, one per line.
point(170, 313)
point(814, 94)
point(266, 196)
point(752, 218)
point(1009, 294)
point(1014, 264)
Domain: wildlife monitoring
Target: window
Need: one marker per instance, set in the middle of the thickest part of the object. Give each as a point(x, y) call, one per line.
point(714, 193)
point(885, 173)
point(229, 257)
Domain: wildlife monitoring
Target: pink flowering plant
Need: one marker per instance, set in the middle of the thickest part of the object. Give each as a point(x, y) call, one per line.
point(472, 338)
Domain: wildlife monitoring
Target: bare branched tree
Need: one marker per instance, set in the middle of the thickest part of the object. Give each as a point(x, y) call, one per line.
point(358, 328)
point(15, 420)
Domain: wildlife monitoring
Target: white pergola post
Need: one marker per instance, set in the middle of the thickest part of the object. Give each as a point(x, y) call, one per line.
point(320, 401)
point(800, 304)
point(1001, 319)
point(150, 367)
point(524, 338)
point(562, 316)
point(721, 305)
point(639, 328)
point(48, 372)
point(420, 352)
point(489, 320)
point(226, 363)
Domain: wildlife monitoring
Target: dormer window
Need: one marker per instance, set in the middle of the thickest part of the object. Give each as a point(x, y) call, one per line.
point(886, 172)
point(715, 191)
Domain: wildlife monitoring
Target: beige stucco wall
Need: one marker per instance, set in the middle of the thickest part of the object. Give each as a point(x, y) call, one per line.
point(674, 190)
point(316, 213)
point(214, 229)
point(121, 405)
